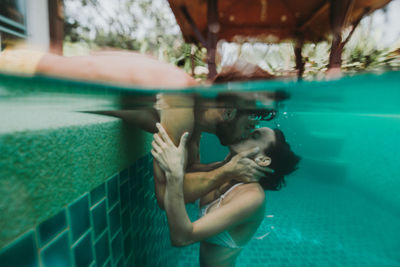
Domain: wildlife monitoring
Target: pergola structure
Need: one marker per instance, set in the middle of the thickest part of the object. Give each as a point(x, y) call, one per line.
point(270, 21)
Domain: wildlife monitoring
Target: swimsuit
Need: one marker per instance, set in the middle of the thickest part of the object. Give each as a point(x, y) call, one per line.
point(223, 239)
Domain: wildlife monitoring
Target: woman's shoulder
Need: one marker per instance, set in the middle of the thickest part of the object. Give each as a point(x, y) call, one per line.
point(253, 188)
point(250, 198)
point(251, 193)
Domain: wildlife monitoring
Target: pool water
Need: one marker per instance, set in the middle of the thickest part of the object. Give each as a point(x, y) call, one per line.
point(340, 208)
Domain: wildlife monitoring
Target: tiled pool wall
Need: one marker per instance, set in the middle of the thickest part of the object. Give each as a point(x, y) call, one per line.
point(118, 223)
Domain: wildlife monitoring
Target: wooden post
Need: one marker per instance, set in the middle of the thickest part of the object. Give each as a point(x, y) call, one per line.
point(193, 25)
point(299, 58)
point(212, 36)
point(338, 13)
point(56, 25)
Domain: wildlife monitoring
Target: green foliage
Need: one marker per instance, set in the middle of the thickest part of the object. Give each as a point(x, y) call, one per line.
point(141, 25)
point(364, 53)
point(149, 27)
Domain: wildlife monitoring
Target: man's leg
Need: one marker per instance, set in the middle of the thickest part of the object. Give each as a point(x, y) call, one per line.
point(145, 119)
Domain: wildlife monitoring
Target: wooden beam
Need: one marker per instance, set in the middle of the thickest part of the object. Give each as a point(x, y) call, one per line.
point(355, 24)
point(319, 11)
point(290, 11)
point(213, 28)
point(193, 25)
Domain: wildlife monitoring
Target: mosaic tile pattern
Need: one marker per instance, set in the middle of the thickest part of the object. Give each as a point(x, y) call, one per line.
point(311, 223)
point(118, 223)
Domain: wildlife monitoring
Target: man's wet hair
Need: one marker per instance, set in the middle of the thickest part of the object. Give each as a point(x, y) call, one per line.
point(283, 161)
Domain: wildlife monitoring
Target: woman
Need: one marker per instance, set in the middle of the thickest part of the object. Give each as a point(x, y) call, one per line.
point(231, 214)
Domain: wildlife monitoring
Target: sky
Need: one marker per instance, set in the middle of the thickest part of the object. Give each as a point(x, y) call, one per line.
point(388, 25)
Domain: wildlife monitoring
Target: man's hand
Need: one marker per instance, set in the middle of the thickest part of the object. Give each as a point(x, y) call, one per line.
point(244, 169)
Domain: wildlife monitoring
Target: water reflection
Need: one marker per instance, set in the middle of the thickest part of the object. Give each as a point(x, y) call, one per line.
point(145, 111)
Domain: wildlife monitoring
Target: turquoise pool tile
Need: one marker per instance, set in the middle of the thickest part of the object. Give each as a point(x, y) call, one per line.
point(83, 251)
point(99, 218)
point(124, 191)
point(134, 197)
point(79, 217)
point(102, 249)
point(126, 221)
point(128, 245)
point(97, 194)
point(57, 253)
point(120, 263)
point(116, 247)
point(132, 175)
point(114, 217)
point(112, 191)
point(48, 229)
point(22, 252)
point(131, 261)
point(124, 176)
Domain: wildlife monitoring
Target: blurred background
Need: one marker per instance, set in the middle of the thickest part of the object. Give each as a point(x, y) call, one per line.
point(74, 27)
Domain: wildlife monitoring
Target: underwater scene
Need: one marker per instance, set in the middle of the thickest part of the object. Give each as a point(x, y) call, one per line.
point(208, 133)
point(77, 181)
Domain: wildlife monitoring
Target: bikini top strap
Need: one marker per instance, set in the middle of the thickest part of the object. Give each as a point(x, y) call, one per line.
point(226, 193)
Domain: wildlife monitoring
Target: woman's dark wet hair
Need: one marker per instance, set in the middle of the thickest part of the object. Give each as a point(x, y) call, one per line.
point(283, 161)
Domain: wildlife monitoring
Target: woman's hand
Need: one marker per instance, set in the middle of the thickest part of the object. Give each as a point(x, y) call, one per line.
point(170, 158)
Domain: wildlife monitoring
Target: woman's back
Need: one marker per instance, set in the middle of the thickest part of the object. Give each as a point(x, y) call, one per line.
point(213, 251)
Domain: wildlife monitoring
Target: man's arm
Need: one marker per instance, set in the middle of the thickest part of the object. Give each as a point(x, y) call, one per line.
point(200, 167)
point(246, 207)
point(195, 184)
point(176, 121)
point(131, 68)
point(198, 184)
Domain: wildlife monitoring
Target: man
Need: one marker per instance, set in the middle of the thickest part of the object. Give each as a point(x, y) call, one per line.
point(114, 66)
point(228, 117)
point(229, 123)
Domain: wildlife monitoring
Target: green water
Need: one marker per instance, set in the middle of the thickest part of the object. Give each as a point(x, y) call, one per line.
point(341, 208)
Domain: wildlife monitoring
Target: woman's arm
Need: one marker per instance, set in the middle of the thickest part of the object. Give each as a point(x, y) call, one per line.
point(183, 232)
point(198, 184)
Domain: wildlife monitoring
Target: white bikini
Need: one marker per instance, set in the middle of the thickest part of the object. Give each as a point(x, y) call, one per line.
point(223, 239)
